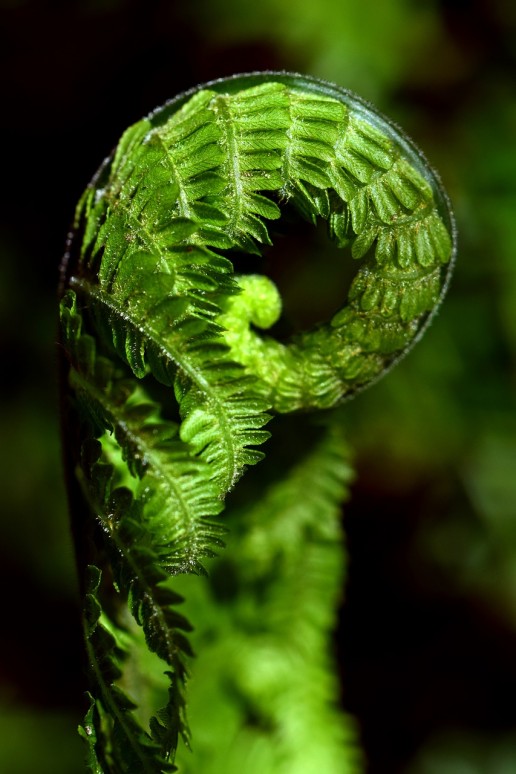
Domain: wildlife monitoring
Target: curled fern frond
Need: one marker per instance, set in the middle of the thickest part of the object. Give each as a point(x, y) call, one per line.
point(172, 371)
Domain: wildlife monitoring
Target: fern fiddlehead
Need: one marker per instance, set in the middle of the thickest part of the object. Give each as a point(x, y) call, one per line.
point(169, 381)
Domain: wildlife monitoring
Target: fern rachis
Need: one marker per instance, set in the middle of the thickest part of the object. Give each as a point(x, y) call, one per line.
point(170, 380)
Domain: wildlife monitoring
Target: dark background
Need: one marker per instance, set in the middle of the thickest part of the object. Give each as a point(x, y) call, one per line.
point(427, 640)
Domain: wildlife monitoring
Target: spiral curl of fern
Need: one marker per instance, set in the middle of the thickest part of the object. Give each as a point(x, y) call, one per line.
point(169, 380)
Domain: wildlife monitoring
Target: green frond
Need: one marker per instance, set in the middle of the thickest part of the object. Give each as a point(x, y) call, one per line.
point(174, 485)
point(130, 544)
point(118, 741)
point(185, 350)
point(266, 642)
point(170, 372)
point(331, 162)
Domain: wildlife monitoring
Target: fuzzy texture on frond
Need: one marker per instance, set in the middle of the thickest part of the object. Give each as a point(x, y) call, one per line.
point(169, 382)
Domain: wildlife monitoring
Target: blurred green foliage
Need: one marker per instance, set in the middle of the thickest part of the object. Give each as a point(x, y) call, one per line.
point(367, 46)
point(432, 524)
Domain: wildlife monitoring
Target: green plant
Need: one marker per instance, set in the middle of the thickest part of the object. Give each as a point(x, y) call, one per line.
point(168, 385)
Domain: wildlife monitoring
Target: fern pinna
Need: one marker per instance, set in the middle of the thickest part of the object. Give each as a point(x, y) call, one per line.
point(168, 385)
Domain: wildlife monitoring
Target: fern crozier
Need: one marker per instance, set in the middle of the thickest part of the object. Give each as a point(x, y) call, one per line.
point(171, 372)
